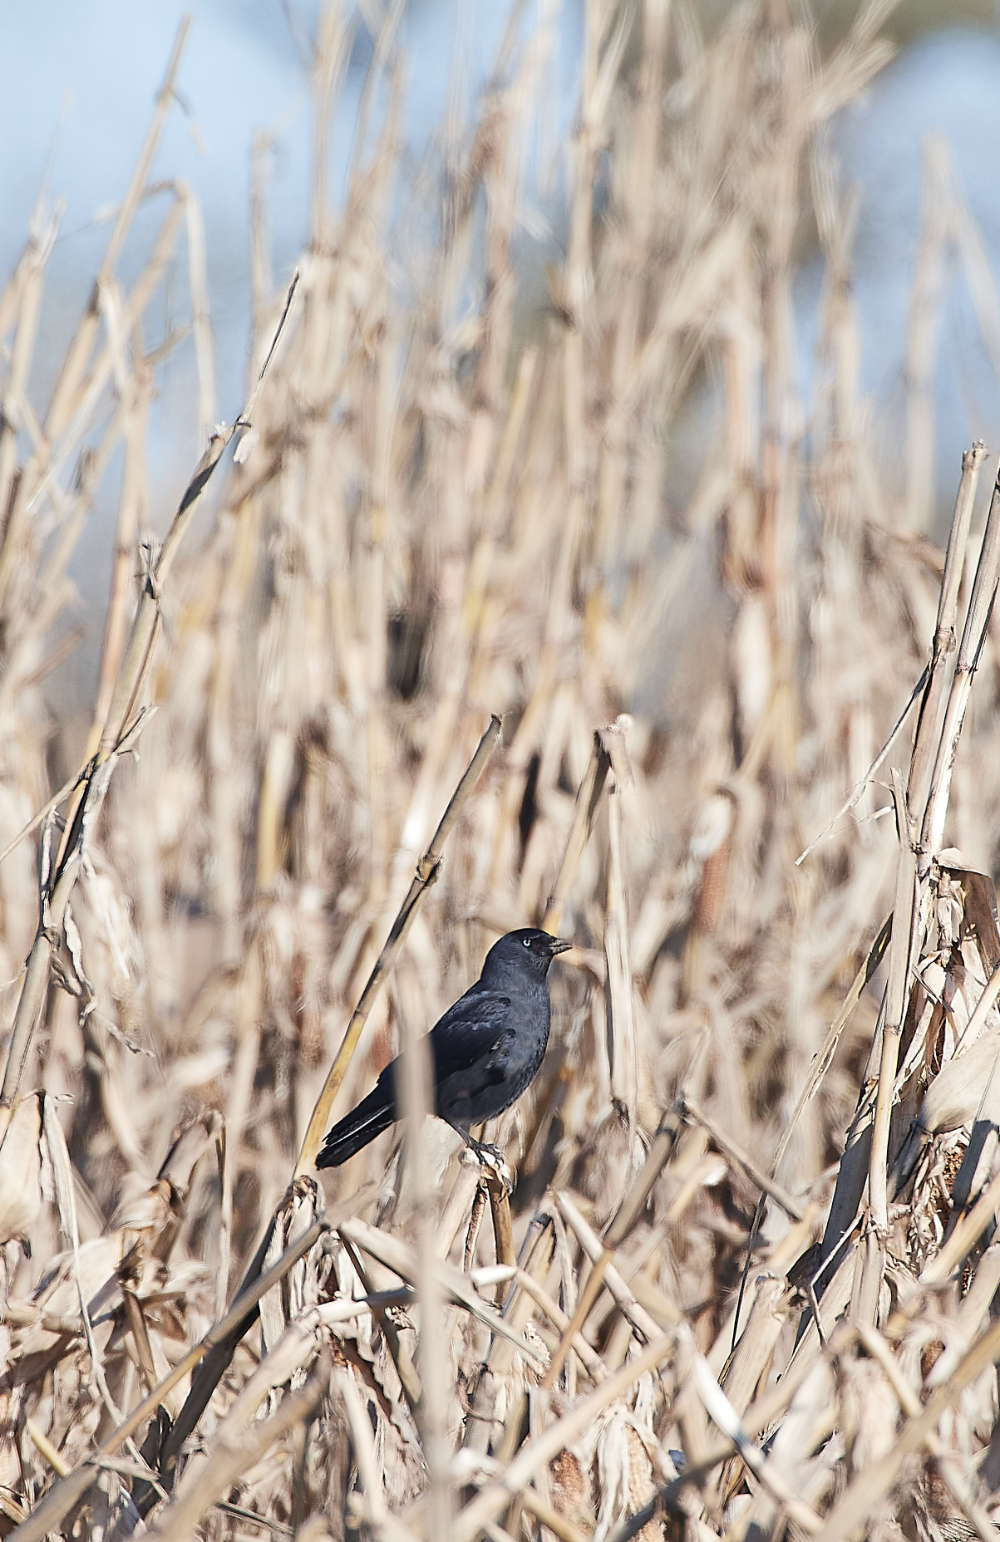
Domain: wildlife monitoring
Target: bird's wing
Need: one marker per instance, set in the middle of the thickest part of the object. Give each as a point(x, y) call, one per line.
point(475, 1030)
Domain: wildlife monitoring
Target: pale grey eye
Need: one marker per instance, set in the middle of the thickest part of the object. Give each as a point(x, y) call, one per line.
point(526, 941)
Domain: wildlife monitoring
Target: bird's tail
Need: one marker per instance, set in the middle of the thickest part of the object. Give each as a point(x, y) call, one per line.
point(373, 1114)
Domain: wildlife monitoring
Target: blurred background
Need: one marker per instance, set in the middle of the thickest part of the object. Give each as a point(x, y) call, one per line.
point(74, 115)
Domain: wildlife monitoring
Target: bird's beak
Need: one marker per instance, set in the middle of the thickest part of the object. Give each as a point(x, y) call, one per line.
point(559, 945)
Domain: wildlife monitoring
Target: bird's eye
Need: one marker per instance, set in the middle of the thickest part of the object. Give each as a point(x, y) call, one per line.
point(526, 941)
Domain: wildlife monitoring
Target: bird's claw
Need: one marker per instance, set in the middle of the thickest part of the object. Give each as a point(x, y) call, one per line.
point(492, 1158)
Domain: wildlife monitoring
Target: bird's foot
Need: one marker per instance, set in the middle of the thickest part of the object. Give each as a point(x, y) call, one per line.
point(493, 1159)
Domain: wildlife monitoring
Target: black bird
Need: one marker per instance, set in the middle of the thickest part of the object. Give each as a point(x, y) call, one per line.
point(486, 1048)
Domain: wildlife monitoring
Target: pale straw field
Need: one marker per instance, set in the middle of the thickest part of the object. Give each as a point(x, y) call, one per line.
point(446, 502)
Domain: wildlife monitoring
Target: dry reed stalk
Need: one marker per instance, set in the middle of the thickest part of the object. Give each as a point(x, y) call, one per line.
point(190, 1506)
point(129, 510)
point(969, 650)
point(758, 1417)
point(900, 954)
point(41, 594)
point(492, 1499)
point(123, 722)
point(283, 1216)
point(417, 1098)
point(427, 872)
point(64, 1495)
point(438, 519)
point(379, 1517)
point(945, 637)
point(877, 1347)
point(399, 1258)
point(743, 1161)
point(863, 1494)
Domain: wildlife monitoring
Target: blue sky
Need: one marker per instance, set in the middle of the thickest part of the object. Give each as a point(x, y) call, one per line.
point(82, 91)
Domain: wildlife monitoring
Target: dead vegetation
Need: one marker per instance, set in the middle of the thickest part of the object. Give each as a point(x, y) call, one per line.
point(432, 519)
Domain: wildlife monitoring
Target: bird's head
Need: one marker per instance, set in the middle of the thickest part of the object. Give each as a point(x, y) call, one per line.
point(528, 949)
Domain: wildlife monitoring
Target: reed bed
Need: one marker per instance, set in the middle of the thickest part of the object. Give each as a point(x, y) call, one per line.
point(743, 1285)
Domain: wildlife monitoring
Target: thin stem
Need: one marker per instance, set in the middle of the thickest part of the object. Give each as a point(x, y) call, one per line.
point(899, 970)
point(427, 871)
